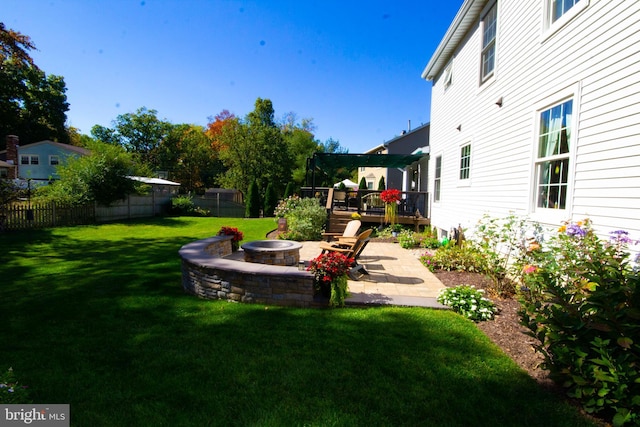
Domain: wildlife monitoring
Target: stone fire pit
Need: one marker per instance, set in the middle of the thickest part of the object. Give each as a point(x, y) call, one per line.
point(272, 252)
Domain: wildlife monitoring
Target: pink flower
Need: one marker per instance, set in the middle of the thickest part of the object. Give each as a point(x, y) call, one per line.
point(529, 269)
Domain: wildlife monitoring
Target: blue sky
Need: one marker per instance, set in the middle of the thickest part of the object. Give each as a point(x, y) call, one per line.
point(352, 66)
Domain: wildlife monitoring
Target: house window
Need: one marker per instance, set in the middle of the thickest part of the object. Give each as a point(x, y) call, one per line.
point(437, 179)
point(4, 173)
point(54, 160)
point(552, 160)
point(465, 161)
point(28, 159)
point(369, 185)
point(489, 30)
point(448, 76)
point(560, 7)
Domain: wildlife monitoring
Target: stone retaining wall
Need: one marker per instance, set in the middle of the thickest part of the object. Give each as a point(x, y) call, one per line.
point(207, 274)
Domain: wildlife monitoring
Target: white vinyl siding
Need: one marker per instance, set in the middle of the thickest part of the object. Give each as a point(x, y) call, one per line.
point(594, 60)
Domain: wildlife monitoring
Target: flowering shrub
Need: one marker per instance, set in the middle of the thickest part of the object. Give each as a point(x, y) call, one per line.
point(330, 269)
point(468, 301)
point(455, 258)
point(231, 231)
point(305, 219)
point(581, 300)
point(285, 206)
point(11, 391)
point(391, 198)
point(407, 239)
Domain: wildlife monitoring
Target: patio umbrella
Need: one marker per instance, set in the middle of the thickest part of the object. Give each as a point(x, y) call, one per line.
point(347, 183)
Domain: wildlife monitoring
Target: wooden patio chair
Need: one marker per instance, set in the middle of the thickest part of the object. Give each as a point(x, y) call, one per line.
point(349, 231)
point(352, 247)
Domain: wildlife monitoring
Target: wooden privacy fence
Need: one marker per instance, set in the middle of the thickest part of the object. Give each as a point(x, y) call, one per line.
point(22, 217)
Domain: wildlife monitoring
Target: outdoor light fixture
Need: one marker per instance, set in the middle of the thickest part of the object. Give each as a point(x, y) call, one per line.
point(459, 128)
point(499, 102)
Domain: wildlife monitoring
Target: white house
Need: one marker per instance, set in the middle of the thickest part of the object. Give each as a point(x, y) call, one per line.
point(535, 110)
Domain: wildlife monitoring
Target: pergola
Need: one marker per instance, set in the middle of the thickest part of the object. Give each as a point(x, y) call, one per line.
point(359, 160)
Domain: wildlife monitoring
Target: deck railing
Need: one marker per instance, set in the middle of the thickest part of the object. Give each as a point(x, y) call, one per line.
point(368, 202)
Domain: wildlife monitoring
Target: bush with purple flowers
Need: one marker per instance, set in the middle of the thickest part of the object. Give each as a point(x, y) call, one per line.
point(581, 301)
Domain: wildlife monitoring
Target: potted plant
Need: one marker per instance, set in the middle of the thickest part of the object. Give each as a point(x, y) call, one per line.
point(237, 236)
point(330, 270)
point(391, 198)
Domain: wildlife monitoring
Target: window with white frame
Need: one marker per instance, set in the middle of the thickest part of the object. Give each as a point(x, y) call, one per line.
point(465, 161)
point(552, 157)
point(559, 12)
point(29, 159)
point(54, 160)
point(437, 179)
point(448, 75)
point(489, 32)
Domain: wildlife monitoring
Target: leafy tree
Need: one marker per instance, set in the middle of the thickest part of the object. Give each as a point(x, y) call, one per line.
point(301, 144)
point(32, 104)
point(186, 153)
point(270, 200)
point(254, 149)
point(252, 208)
point(141, 133)
point(289, 190)
point(381, 184)
point(329, 175)
point(101, 177)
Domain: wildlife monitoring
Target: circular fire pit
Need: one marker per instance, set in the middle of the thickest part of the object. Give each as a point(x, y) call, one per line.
point(272, 252)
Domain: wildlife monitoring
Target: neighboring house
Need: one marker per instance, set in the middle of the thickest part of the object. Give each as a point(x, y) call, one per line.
point(38, 161)
point(6, 169)
point(372, 174)
point(412, 178)
point(535, 109)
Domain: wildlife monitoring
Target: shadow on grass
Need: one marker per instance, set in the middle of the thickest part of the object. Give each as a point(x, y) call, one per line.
point(104, 325)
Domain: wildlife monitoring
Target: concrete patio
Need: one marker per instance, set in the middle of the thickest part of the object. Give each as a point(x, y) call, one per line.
point(396, 277)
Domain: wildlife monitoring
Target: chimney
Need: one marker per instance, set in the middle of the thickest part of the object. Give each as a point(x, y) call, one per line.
point(12, 155)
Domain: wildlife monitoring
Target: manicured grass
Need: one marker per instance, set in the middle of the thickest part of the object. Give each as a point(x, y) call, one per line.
point(96, 317)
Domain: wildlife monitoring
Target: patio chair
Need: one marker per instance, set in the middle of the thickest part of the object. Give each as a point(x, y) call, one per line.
point(349, 231)
point(352, 247)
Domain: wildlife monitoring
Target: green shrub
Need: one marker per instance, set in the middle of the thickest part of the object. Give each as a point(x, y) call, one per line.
point(11, 391)
point(468, 301)
point(270, 200)
point(581, 301)
point(182, 205)
point(305, 219)
point(455, 258)
point(252, 209)
point(430, 243)
point(408, 239)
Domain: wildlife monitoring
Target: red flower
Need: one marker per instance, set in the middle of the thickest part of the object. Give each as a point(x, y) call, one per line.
point(390, 196)
point(329, 266)
point(231, 231)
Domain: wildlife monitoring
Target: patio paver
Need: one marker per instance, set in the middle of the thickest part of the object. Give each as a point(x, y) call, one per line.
point(396, 277)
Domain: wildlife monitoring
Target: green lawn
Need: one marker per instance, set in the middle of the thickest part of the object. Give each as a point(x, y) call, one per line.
point(95, 317)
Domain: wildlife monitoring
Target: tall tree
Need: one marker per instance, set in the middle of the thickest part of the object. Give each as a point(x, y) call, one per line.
point(32, 104)
point(301, 145)
point(254, 149)
point(140, 133)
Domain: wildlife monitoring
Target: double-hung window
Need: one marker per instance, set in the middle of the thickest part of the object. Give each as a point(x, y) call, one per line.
point(54, 160)
point(489, 32)
point(552, 157)
point(465, 161)
point(29, 159)
point(559, 12)
point(437, 179)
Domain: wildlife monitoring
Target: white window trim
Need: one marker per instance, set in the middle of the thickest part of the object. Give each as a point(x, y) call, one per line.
point(484, 82)
point(547, 215)
point(466, 182)
point(30, 157)
point(549, 28)
point(51, 157)
point(447, 77)
point(439, 200)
